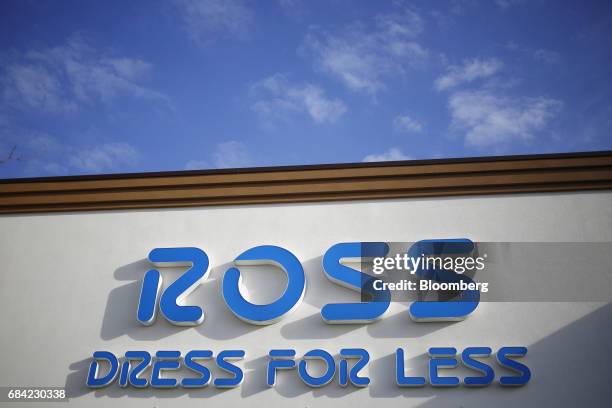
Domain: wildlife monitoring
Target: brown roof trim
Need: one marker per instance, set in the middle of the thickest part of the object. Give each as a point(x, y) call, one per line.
point(355, 181)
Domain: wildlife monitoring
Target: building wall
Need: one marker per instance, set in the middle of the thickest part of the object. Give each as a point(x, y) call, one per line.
point(70, 283)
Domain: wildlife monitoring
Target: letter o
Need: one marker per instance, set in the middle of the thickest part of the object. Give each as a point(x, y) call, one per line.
point(330, 371)
point(272, 312)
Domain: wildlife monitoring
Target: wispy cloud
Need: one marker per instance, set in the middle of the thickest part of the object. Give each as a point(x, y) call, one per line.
point(277, 98)
point(42, 143)
point(104, 157)
point(40, 154)
point(489, 119)
point(24, 146)
point(407, 124)
point(196, 165)
point(469, 71)
point(35, 87)
point(229, 154)
point(547, 56)
point(130, 68)
point(392, 154)
point(63, 78)
point(295, 9)
point(506, 4)
point(362, 56)
point(206, 20)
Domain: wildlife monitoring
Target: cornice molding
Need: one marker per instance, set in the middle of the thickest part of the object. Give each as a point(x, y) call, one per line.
point(362, 181)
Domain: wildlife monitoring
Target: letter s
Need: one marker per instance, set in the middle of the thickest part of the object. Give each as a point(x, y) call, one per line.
point(422, 311)
point(363, 312)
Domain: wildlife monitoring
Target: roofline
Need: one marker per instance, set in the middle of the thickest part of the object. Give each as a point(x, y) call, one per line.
point(311, 183)
point(350, 165)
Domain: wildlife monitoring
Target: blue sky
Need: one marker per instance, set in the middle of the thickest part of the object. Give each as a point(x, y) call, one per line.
point(108, 87)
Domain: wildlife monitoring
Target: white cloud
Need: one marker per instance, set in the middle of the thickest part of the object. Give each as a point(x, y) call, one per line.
point(231, 154)
point(35, 87)
point(462, 7)
point(206, 19)
point(228, 154)
point(27, 145)
point(104, 157)
point(36, 168)
point(61, 79)
point(41, 143)
point(363, 58)
point(289, 3)
point(390, 155)
point(55, 169)
point(405, 123)
point(489, 119)
point(196, 165)
point(42, 154)
point(296, 9)
point(130, 68)
point(506, 4)
point(470, 70)
point(547, 56)
point(539, 54)
point(277, 98)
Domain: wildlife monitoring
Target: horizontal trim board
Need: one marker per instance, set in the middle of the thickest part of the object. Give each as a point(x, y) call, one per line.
point(431, 178)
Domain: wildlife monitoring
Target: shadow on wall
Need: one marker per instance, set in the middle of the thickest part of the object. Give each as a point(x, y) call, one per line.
point(569, 368)
point(401, 326)
point(121, 306)
point(321, 291)
point(221, 324)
